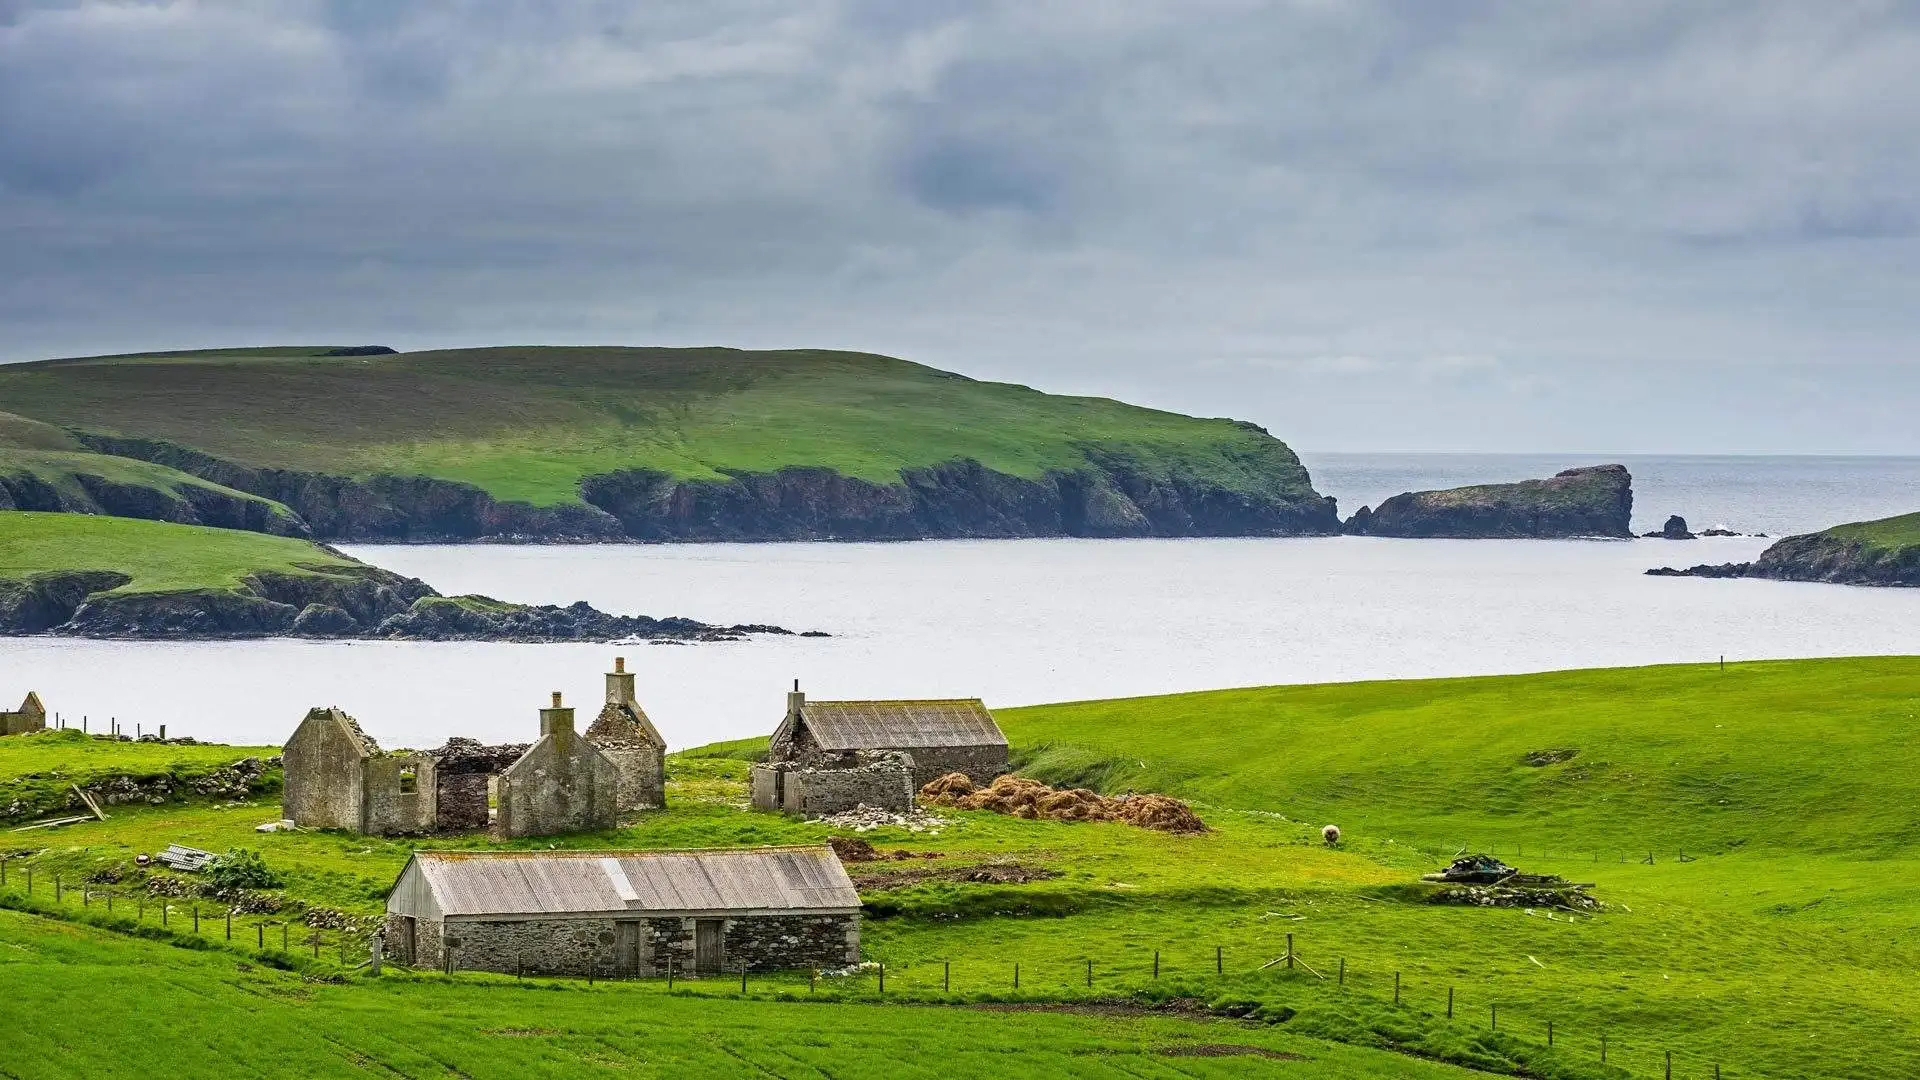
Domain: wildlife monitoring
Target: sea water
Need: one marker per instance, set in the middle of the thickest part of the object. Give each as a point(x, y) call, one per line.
point(1020, 622)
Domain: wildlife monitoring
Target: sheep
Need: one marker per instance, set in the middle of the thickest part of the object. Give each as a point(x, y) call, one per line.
point(1331, 834)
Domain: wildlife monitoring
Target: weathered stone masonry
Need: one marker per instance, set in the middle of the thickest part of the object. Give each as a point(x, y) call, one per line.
point(565, 947)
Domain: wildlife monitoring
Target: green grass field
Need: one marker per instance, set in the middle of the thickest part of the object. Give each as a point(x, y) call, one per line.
point(529, 424)
point(1781, 945)
point(158, 556)
point(62, 470)
point(1894, 533)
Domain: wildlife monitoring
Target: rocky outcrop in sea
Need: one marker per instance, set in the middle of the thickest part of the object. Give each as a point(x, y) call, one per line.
point(1596, 501)
point(1822, 557)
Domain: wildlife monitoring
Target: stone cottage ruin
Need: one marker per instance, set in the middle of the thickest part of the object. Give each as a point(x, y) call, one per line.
point(337, 777)
point(830, 756)
point(623, 732)
point(627, 914)
point(30, 716)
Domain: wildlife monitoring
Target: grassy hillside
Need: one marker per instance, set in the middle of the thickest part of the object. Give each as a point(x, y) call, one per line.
point(158, 556)
point(101, 483)
point(1782, 756)
point(528, 424)
point(1780, 944)
point(1894, 533)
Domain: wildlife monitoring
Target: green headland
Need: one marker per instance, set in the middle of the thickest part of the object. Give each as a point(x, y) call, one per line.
point(659, 443)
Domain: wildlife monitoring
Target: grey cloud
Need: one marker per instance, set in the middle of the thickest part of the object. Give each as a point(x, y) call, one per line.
point(1637, 213)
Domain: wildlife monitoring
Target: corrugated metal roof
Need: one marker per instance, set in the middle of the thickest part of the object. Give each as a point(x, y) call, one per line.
point(901, 725)
point(583, 882)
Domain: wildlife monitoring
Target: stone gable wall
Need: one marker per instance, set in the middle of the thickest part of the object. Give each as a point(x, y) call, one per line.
point(388, 810)
point(643, 774)
point(564, 784)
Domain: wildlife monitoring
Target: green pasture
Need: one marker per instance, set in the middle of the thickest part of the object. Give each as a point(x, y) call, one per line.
point(1771, 935)
point(1892, 533)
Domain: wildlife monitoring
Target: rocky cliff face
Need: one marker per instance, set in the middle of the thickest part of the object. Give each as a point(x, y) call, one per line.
point(189, 505)
point(1586, 502)
point(958, 499)
point(1819, 557)
point(333, 602)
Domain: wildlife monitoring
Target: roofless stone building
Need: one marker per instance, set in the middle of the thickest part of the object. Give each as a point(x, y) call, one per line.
point(623, 732)
point(625, 913)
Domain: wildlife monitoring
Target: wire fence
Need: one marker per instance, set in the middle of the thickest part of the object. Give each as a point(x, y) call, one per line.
point(1132, 974)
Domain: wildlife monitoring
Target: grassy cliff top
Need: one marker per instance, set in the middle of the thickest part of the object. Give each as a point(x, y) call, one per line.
point(529, 423)
point(158, 556)
point(1892, 533)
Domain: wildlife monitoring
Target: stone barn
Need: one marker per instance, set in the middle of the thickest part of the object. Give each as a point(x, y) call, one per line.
point(30, 716)
point(624, 914)
point(940, 736)
point(623, 733)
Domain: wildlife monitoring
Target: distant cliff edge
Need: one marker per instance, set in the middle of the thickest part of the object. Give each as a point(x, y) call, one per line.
point(1596, 501)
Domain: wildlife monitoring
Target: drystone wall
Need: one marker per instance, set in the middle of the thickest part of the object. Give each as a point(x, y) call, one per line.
point(399, 795)
point(883, 781)
point(981, 763)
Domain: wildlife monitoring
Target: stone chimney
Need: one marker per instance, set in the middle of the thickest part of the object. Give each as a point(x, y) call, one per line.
point(796, 700)
point(556, 720)
point(620, 683)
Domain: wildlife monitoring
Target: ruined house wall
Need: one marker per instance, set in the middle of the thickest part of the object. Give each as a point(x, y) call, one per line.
point(31, 716)
point(563, 784)
point(643, 774)
point(388, 809)
point(829, 791)
point(981, 763)
point(461, 801)
point(762, 784)
point(564, 946)
point(323, 785)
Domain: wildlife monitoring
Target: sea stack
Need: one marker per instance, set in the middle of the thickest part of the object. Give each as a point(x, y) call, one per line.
point(1596, 501)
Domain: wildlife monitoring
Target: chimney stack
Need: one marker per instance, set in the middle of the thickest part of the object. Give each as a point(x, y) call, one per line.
point(796, 700)
point(620, 683)
point(556, 720)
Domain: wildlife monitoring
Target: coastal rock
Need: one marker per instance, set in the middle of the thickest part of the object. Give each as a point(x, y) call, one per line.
point(1596, 501)
point(1860, 554)
point(957, 499)
point(1676, 529)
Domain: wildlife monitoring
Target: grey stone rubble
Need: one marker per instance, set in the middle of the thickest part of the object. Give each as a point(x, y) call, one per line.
point(868, 818)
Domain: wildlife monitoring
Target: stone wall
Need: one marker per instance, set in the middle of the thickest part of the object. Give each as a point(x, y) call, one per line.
point(642, 947)
point(324, 782)
point(428, 947)
point(391, 807)
point(461, 801)
point(981, 763)
point(643, 774)
point(563, 784)
point(881, 780)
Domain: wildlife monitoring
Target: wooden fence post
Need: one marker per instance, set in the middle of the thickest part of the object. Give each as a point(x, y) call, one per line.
point(1343, 971)
point(1449, 1002)
point(1396, 988)
point(1156, 963)
point(1669, 1065)
point(1549, 1034)
point(1016, 974)
point(1289, 952)
point(883, 978)
point(1494, 1011)
point(196, 918)
point(946, 975)
point(1219, 960)
point(229, 924)
point(1603, 1048)
point(260, 936)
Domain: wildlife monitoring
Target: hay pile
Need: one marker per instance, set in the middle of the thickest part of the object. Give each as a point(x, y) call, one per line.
point(1031, 799)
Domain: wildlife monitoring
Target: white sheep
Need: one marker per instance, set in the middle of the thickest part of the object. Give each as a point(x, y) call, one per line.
point(1331, 834)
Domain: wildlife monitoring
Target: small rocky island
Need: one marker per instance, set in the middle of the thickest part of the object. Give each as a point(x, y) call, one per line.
point(1883, 552)
point(1596, 501)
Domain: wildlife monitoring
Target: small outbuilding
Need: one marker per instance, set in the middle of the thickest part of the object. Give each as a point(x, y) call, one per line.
point(624, 913)
point(940, 736)
point(30, 716)
point(623, 732)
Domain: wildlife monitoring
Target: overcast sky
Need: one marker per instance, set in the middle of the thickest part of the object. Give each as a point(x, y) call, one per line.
point(1687, 226)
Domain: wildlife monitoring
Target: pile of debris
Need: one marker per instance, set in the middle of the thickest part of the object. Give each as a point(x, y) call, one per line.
point(852, 849)
point(1484, 881)
point(864, 818)
point(1031, 799)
